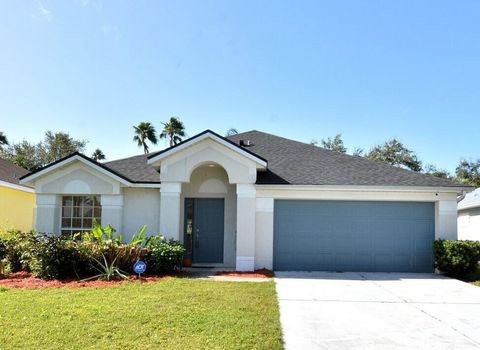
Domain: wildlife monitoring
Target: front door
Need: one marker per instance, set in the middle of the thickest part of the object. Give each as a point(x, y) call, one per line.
point(204, 220)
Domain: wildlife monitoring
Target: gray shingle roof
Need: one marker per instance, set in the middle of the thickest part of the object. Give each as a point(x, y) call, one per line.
point(134, 168)
point(10, 172)
point(297, 163)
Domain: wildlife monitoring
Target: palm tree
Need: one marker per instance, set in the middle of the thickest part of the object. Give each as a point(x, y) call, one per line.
point(231, 132)
point(145, 132)
point(98, 155)
point(3, 139)
point(174, 130)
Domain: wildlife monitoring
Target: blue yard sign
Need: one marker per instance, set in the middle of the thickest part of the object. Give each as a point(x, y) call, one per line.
point(140, 267)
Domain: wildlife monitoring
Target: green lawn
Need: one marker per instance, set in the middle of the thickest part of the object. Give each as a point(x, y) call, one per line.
point(171, 314)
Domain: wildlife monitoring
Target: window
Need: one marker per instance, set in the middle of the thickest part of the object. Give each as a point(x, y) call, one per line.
point(78, 213)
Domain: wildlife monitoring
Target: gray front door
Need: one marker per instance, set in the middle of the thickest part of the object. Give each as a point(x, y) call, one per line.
point(353, 236)
point(208, 230)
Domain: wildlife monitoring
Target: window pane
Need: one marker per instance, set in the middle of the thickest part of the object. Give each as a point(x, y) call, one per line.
point(88, 201)
point(67, 212)
point(66, 223)
point(67, 200)
point(77, 223)
point(87, 223)
point(96, 200)
point(97, 212)
point(87, 212)
point(77, 212)
point(77, 201)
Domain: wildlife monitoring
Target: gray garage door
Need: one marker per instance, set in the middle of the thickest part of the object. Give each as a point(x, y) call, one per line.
point(353, 236)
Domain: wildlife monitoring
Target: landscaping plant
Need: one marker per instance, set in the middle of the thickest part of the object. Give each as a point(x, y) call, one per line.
point(108, 270)
point(163, 256)
point(456, 258)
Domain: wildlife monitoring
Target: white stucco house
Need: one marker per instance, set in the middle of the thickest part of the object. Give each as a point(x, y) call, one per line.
point(257, 200)
point(469, 216)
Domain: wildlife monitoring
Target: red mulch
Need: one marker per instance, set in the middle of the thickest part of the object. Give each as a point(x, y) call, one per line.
point(27, 280)
point(262, 273)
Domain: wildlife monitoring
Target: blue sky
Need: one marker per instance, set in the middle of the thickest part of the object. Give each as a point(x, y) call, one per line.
point(370, 70)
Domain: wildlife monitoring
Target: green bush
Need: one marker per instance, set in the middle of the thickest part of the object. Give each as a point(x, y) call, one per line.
point(163, 256)
point(60, 257)
point(51, 256)
point(456, 258)
point(18, 249)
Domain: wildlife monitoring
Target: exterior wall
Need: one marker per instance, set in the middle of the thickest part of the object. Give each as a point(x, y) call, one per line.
point(469, 224)
point(76, 178)
point(141, 207)
point(445, 209)
point(212, 182)
point(16, 209)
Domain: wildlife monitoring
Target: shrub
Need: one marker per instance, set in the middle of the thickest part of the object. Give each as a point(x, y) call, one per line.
point(456, 258)
point(60, 257)
point(163, 256)
point(18, 249)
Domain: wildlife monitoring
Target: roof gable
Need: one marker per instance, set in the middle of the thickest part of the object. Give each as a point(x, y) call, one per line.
point(207, 134)
point(68, 160)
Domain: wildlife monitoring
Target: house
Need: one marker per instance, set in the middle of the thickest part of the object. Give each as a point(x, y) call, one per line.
point(16, 201)
point(257, 200)
point(469, 216)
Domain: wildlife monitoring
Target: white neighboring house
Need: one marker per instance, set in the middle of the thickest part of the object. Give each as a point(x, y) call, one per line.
point(257, 200)
point(469, 216)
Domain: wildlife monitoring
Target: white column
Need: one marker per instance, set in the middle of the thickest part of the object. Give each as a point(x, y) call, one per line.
point(446, 219)
point(264, 233)
point(245, 227)
point(170, 209)
point(47, 213)
point(112, 211)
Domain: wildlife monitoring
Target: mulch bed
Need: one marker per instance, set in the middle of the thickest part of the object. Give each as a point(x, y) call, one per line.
point(262, 273)
point(27, 280)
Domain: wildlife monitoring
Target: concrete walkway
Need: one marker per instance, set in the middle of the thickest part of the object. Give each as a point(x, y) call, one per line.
point(321, 310)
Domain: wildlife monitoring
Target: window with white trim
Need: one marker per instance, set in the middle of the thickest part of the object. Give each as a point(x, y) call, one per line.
point(79, 213)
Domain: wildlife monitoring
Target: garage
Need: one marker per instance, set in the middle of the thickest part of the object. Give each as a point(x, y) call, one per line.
point(313, 235)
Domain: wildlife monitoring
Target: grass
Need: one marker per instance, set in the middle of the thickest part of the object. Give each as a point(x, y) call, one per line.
point(171, 314)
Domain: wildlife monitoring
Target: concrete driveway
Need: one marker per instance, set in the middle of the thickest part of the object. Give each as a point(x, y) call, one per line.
point(322, 310)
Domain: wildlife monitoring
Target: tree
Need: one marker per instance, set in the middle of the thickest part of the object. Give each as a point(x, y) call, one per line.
point(395, 153)
point(335, 144)
point(431, 169)
point(145, 132)
point(174, 130)
point(58, 145)
point(23, 154)
point(33, 156)
point(98, 155)
point(358, 152)
point(468, 172)
point(3, 139)
point(231, 132)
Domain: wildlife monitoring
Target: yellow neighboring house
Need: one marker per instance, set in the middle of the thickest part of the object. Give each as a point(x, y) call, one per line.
point(17, 202)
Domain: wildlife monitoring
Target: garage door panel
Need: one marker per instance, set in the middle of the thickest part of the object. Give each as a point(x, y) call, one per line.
point(353, 236)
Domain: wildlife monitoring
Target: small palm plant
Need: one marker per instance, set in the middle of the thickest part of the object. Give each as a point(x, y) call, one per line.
point(174, 130)
point(145, 132)
point(107, 270)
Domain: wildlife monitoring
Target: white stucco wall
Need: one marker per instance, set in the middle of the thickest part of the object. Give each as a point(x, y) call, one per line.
point(469, 224)
point(212, 182)
point(141, 207)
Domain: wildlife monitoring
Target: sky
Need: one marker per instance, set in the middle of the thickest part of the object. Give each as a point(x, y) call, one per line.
point(370, 70)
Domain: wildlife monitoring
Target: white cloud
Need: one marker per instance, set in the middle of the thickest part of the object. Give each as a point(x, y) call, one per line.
point(44, 11)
